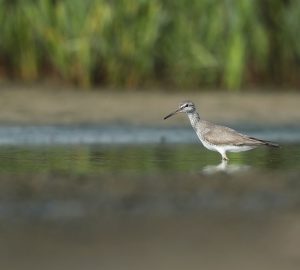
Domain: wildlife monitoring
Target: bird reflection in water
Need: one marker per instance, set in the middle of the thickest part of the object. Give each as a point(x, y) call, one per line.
point(225, 167)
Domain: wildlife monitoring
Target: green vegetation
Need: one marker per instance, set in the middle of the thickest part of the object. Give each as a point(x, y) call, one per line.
point(134, 42)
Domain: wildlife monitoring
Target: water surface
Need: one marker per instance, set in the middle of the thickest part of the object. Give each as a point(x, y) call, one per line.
point(144, 179)
point(145, 159)
point(85, 204)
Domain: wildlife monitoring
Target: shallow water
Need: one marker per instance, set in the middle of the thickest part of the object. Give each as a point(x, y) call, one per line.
point(144, 160)
point(143, 179)
point(155, 205)
point(123, 134)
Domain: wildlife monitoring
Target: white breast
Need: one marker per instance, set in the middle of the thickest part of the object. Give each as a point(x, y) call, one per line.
point(208, 145)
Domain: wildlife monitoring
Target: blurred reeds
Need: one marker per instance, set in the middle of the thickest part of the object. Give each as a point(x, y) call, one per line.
point(130, 43)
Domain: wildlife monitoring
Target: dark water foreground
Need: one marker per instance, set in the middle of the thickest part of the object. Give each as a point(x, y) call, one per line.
point(65, 182)
point(148, 206)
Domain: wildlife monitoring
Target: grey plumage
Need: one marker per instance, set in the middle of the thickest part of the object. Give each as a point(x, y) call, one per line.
point(221, 135)
point(219, 138)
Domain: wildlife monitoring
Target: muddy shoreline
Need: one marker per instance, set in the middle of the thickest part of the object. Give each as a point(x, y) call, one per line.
point(44, 105)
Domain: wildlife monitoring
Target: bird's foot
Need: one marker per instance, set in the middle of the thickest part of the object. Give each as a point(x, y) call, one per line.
point(224, 158)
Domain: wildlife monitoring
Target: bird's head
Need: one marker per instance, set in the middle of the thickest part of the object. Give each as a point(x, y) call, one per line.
point(186, 106)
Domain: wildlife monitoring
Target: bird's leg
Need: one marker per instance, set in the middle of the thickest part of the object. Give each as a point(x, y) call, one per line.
point(224, 157)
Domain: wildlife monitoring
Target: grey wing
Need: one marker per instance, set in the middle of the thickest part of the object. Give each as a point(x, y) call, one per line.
point(226, 136)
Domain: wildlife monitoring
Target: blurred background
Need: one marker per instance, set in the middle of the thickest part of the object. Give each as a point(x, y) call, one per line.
point(133, 43)
point(92, 177)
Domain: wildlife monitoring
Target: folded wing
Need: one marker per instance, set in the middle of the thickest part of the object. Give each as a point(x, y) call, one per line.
point(221, 135)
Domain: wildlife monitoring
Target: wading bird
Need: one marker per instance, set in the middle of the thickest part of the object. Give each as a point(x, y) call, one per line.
point(218, 138)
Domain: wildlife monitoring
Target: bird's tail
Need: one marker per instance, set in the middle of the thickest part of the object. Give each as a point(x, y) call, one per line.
point(267, 143)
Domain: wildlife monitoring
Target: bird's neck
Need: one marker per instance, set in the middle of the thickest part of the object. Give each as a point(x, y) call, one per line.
point(194, 118)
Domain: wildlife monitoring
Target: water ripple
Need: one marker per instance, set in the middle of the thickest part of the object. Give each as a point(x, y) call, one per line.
point(93, 134)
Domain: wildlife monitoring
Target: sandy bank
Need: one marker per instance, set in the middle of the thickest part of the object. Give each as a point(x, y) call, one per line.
point(55, 105)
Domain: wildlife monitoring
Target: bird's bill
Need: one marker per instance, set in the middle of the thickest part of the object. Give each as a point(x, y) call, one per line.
point(171, 114)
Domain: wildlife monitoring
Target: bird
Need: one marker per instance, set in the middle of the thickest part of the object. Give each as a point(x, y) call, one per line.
point(216, 137)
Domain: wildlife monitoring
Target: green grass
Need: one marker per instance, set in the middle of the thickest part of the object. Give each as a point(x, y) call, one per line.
point(130, 43)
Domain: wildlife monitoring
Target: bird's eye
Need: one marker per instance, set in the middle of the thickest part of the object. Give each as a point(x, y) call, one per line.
point(186, 105)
